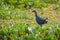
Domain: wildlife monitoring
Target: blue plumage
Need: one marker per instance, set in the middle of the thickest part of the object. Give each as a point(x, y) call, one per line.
point(39, 20)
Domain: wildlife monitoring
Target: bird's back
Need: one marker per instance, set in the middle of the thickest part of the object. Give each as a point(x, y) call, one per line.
point(40, 20)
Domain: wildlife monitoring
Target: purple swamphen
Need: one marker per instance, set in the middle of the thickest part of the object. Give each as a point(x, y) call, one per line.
point(40, 20)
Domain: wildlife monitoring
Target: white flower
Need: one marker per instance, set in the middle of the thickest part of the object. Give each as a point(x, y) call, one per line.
point(30, 29)
point(9, 11)
point(36, 34)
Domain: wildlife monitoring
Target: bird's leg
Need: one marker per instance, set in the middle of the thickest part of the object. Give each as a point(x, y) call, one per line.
point(41, 25)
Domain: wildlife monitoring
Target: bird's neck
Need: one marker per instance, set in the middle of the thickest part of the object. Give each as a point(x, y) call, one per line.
point(35, 13)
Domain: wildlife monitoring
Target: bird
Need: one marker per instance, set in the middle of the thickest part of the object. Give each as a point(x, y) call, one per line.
point(39, 20)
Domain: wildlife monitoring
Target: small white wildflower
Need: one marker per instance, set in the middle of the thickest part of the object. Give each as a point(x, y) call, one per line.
point(36, 34)
point(2, 5)
point(39, 32)
point(30, 3)
point(9, 11)
point(29, 28)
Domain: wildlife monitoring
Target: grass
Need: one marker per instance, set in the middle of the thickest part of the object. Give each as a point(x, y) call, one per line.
point(22, 25)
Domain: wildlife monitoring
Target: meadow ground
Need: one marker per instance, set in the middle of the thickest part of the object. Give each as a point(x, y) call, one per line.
point(23, 25)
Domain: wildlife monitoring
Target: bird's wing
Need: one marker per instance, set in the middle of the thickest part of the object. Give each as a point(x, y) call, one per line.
point(41, 19)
